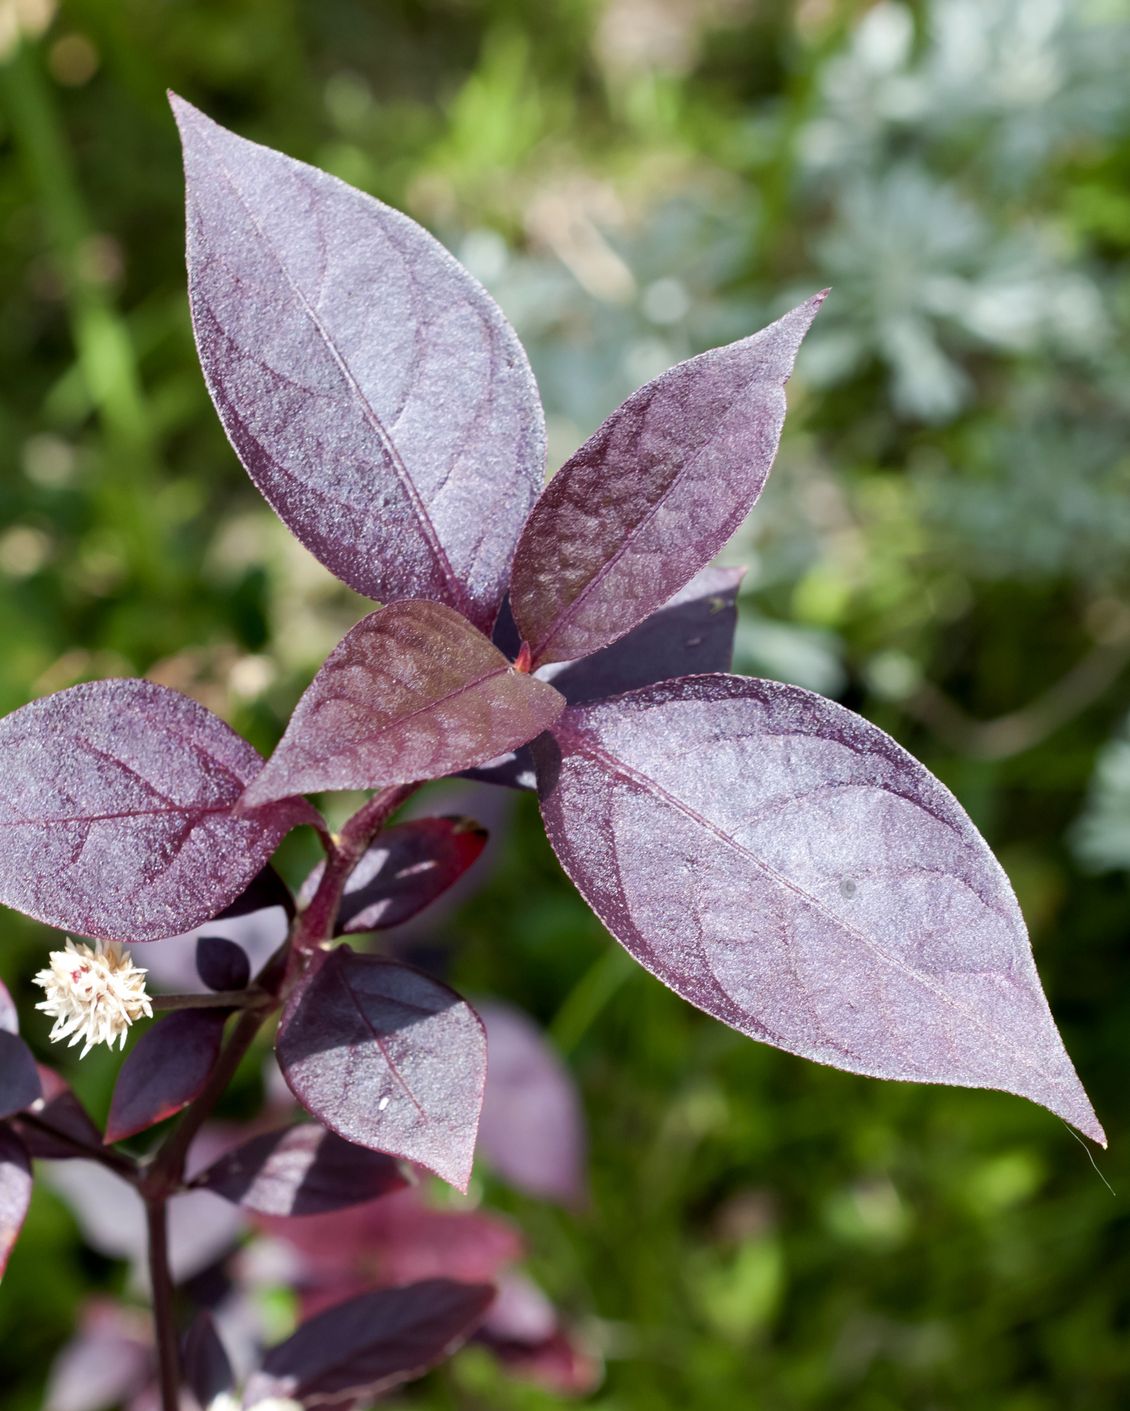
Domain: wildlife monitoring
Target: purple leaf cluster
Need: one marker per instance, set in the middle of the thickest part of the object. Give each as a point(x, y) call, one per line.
point(773, 858)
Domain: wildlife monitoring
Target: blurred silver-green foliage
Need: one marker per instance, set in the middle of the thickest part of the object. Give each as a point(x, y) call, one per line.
point(945, 545)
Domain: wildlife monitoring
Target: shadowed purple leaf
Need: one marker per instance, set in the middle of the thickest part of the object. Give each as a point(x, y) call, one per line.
point(371, 387)
point(371, 1343)
point(204, 1361)
point(222, 964)
point(116, 811)
point(405, 870)
point(9, 1019)
point(19, 1079)
point(412, 692)
point(784, 865)
point(523, 1331)
point(266, 890)
point(105, 1364)
point(61, 1110)
point(302, 1170)
point(531, 1130)
point(388, 1058)
point(165, 1070)
point(654, 494)
point(15, 1191)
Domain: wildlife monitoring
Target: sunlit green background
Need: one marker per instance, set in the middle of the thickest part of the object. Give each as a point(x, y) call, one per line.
point(944, 546)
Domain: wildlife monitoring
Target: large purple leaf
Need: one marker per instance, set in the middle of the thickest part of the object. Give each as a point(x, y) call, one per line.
point(388, 1058)
point(412, 692)
point(788, 868)
point(408, 867)
point(15, 1191)
point(165, 1070)
point(302, 1170)
point(369, 1344)
point(116, 811)
point(19, 1079)
point(654, 494)
point(373, 390)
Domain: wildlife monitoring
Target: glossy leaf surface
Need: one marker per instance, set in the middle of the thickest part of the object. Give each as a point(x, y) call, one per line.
point(371, 387)
point(408, 867)
point(785, 866)
point(165, 1070)
point(19, 1079)
point(387, 1058)
point(371, 1343)
point(116, 811)
point(412, 692)
point(654, 494)
point(302, 1170)
point(15, 1191)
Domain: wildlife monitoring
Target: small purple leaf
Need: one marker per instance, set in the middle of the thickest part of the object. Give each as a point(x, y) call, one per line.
point(9, 1019)
point(116, 811)
point(784, 865)
point(387, 1058)
point(531, 1130)
point(19, 1078)
point(408, 867)
point(62, 1111)
point(165, 1070)
point(204, 1361)
point(302, 1170)
point(15, 1191)
point(369, 1344)
point(412, 692)
point(222, 964)
point(266, 890)
point(654, 494)
point(372, 389)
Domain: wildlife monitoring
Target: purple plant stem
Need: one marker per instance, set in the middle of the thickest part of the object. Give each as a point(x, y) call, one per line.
point(161, 1288)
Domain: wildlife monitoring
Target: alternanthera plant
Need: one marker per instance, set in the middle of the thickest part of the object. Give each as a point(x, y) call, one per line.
point(778, 861)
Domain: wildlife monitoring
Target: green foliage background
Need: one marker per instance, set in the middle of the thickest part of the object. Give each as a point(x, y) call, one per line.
point(943, 546)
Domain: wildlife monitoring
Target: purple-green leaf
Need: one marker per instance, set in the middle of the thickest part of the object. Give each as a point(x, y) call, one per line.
point(785, 866)
point(387, 1058)
point(412, 692)
point(369, 1344)
point(19, 1077)
point(165, 1070)
point(654, 494)
point(15, 1191)
point(371, 387)
point(116, 814)
point(303, 1170)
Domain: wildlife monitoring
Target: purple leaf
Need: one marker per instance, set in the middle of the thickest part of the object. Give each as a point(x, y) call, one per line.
point(106, 1363)
point(116, 811)
point(19, 1080)
point(165, 1070)
point(405, 870)
point(654, 494)
point(371, 1343)
point(523, 1331)
point(265, 891)
point(302, 1170)
point(62, 1111)
point(785, 866)
point(222, 964)
point(372, 389)
point(412, 692)
point(531, 1130)
point(204, 1361)
point(387, 1058)
point(9, 1019)
point(15, 1191)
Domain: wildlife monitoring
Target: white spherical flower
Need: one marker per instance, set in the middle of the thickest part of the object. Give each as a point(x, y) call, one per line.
point(94, 993)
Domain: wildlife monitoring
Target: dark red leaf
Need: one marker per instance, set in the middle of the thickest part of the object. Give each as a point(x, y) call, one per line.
point(165, 1070)
point(222, 964)
point(412, 692)
point(105, 1364)
point(388, 1058)
point(301, 1170)
point(531, 1130)
point(204, 1361)
point(785, 866)
point(62, 1111)
point(116, 811)
point(406, 869)
point(15, 1191)
point(373, 390)
point(9, 1019)
point(371, 1343)
point(654, 494)
point(19, 1080)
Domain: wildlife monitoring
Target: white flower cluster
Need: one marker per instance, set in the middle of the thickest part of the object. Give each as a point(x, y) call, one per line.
point(94, 993)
